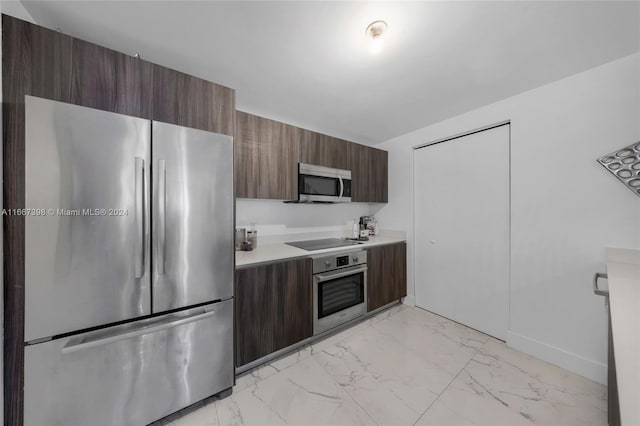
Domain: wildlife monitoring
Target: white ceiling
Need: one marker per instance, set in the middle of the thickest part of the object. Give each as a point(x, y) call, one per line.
point(307, 63)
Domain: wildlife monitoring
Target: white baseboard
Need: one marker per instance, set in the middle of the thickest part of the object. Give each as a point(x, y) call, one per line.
point(409, 300)
point(575, 363)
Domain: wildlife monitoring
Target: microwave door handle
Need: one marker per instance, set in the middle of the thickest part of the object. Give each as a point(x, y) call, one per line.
point(341, 187)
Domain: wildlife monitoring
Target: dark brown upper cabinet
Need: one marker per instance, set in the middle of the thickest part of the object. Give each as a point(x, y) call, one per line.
point(387, 274)
point(273, 308)
point(266, 158)
point(369, 174)
point(323, 150)
point(112, 81)
point(51, 63)
point(74, 71)
point(360, 173)
point(190, 101)
point(267, 154)
point(379, 176)
point(66, 69)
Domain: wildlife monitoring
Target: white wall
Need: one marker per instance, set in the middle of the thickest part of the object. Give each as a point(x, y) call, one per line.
point(277, 221)
point(565, 208)
point(13, 8)
point(274, 212)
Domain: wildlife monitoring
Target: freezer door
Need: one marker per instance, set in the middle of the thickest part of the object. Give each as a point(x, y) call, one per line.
point(87, 249)
point(192, 215)
point(132, 374)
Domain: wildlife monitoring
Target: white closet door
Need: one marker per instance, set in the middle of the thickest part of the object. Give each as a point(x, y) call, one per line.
point(462, 229)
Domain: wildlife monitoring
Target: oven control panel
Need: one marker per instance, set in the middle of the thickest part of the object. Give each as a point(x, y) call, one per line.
point(331, 262)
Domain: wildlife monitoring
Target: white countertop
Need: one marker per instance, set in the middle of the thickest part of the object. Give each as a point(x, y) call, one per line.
point(623, 269)
point(280, 251)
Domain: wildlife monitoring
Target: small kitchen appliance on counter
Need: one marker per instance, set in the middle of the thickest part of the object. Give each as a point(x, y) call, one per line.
point(252, 237)
point(241, 237)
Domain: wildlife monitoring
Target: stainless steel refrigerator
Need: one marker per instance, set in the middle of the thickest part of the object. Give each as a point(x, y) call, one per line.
point(128, 266)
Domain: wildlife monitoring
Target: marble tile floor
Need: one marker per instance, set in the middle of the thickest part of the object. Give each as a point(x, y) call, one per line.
point(406, 366)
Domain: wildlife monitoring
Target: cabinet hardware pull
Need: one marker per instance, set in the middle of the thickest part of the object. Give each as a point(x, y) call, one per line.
point(597, 290)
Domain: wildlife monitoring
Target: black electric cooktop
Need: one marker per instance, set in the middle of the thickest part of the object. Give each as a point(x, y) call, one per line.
point(311, 245)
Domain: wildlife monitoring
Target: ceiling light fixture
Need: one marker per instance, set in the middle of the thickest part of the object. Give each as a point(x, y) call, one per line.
point(375, 31)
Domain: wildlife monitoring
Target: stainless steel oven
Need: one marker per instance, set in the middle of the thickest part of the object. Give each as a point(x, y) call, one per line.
point(339, 289)
point(323, 184)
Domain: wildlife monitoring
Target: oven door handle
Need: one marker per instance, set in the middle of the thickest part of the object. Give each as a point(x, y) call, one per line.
point(339, 274)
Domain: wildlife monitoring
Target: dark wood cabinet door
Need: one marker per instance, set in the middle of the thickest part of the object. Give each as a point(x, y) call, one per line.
point(51, 64)
point(266, 158)
point(323, 150)
point(111, 81)
point(74, 71)
point(273, 308)
point(369, 174)
point(190, 101)
point(386, 275)
point(379, 176)
point(360, 165)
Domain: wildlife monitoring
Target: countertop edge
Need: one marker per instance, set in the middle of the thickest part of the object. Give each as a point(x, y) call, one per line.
point(623, 269)
point(292, 253)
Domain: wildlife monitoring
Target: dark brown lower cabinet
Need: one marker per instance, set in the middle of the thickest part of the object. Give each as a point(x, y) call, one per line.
point(273, 308)
point(612, 384)
point(386, 274)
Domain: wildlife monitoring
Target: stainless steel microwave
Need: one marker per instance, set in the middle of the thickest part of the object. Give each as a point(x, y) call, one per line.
point(323, 184)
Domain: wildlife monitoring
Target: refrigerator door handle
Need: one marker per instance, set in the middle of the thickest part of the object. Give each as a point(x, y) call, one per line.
point(130, 334)
point(139, 218)
point(162, 218)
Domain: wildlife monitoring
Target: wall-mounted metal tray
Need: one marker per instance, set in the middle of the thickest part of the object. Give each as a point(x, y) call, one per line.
point(625, 165)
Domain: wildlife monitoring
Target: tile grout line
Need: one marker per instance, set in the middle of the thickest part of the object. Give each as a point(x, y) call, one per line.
point(278, 370)
point(447, 387)
point(216, 407)
point(324, 370)
point(339, 385)
point(311, 355)
point(475, 352)
point(310, 347)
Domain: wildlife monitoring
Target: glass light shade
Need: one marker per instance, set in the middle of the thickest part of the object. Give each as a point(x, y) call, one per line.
point(376, 45)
